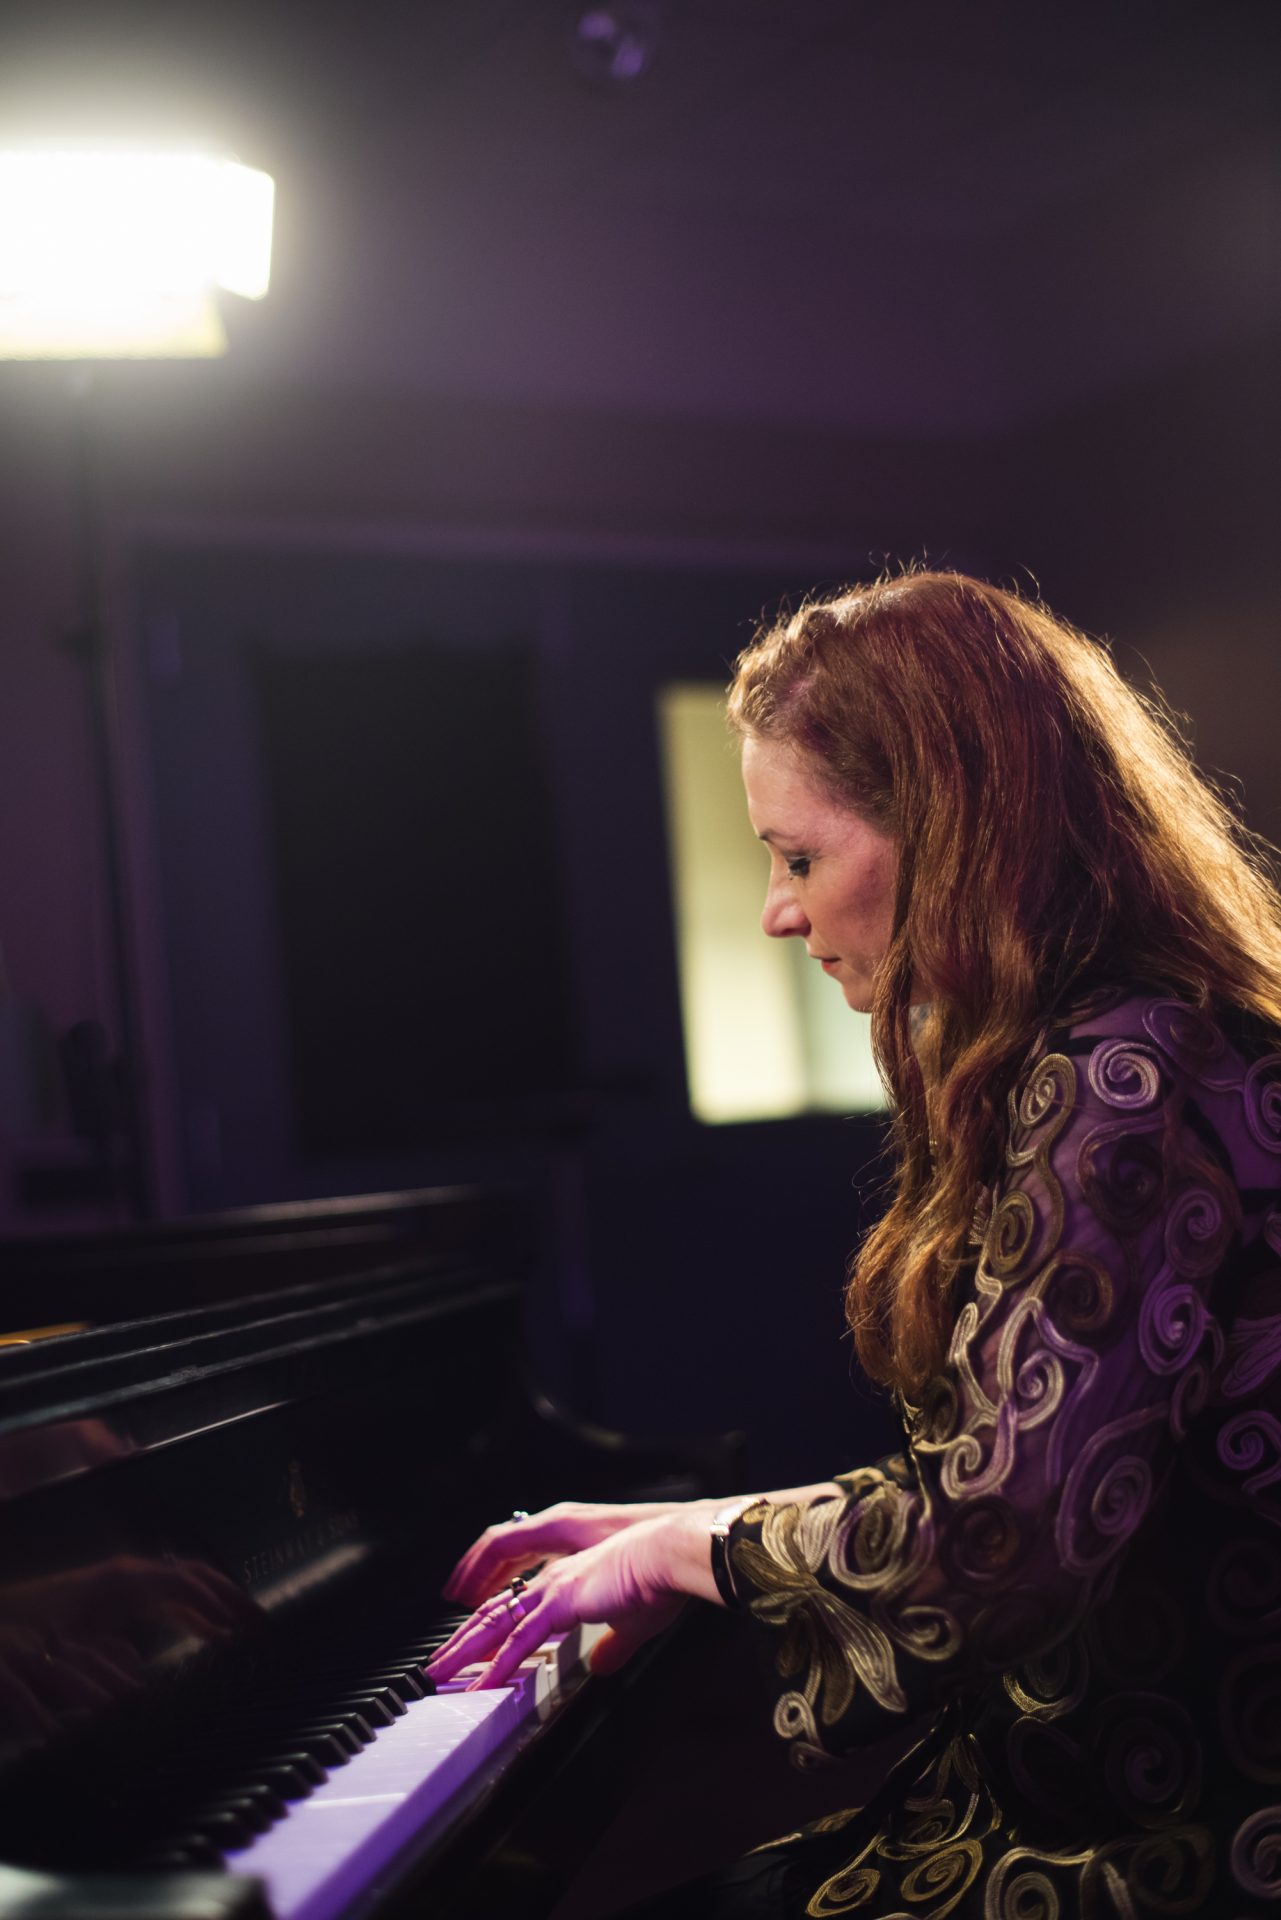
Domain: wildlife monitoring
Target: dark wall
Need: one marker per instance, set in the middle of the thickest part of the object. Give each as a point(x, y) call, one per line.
point(622, 552)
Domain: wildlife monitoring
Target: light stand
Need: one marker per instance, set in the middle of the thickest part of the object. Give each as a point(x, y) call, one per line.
point(109, 256)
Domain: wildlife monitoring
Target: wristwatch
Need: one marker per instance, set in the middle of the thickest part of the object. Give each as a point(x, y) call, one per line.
point(722, 1521)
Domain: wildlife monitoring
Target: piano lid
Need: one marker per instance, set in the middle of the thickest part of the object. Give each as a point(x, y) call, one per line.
point(178, 1493)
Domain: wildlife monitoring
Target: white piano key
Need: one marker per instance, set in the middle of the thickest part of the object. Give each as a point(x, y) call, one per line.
point(406, 1787)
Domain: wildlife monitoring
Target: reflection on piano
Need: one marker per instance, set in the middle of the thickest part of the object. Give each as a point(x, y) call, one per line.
point(226, 1523)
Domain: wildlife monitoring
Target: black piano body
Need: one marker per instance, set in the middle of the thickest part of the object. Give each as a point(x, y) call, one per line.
point(226, 1519)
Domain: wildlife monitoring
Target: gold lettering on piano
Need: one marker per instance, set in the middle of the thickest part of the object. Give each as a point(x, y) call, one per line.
point(304, 1544)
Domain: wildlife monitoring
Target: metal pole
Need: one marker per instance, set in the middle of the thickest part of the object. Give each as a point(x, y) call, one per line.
point(89, 641)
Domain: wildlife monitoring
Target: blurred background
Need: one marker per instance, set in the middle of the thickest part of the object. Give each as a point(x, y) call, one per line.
point(593, 333)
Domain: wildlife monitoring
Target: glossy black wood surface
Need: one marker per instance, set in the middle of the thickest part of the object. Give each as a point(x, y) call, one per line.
point(212, 1505)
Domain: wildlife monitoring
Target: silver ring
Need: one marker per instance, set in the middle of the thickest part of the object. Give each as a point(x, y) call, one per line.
point(515, 1608)
point(519, 1513)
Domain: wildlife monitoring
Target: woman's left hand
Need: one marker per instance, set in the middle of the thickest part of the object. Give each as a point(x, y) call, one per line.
point(635, 1582)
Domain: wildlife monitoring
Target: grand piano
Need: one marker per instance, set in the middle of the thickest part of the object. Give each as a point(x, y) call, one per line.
point(232, 1480)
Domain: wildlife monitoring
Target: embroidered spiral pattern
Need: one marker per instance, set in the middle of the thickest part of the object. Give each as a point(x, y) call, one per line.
point(1151, 1758)
point(1048, 1089)
point(1243, 1588)
point(1251, 1443)
point(1256, 1854)
point(1251, 1713)
point(1123, 1178)
point(1192, 1040)
point(1197, 1230)
point(1009, 1235)
point(1263, 1102)
point(1125, 1074)
point(1171, 1323)
point(1073, 1573)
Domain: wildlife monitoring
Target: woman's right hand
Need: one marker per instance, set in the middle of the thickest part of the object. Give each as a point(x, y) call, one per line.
point(514, 1546)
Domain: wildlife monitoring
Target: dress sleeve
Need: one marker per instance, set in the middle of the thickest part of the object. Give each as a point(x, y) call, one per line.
point(1082, 1345)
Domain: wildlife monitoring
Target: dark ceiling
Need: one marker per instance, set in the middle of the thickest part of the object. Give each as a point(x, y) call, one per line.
point(879, 214)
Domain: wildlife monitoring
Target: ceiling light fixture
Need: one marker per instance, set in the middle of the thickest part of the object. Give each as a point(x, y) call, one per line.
point(614, 44)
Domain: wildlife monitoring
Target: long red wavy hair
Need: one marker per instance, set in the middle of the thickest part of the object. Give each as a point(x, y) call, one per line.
point(1054, 837)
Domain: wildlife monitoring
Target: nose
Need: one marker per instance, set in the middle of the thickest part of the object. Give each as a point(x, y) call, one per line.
point(783, 913)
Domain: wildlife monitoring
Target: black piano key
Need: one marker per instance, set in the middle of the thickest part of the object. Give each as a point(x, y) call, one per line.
point(331, 1748)
point(223, 1829)
point(189, 1850)
point(292, 1778)
point(405, 1683)
point(348, 1730)
point(392, 1689)
point(408, 1684)
point(260, 1794)
point(315, 1749)
point(373, 1709)
point(249, 1819)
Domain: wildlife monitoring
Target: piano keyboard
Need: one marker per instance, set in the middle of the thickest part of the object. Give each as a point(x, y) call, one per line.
point(331, 1852)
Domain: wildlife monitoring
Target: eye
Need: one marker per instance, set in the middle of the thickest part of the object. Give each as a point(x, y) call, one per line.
point(799, 866)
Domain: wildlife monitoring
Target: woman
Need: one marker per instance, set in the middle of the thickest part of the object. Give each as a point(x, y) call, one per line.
point(1072, 960)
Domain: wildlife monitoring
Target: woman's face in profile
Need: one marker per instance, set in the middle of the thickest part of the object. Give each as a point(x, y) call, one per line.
point(832, 877)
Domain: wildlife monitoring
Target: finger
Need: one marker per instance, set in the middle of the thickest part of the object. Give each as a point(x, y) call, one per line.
point(476, 1641)
point(552, 1615)
point(468, 1626)
point(515, 1545)
point(471, 1587)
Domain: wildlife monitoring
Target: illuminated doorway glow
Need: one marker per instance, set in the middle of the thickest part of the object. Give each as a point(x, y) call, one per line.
point(766, 1037)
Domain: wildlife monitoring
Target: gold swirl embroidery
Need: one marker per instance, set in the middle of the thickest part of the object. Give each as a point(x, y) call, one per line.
point(1017, 1889)
point(836, 1646)
point(1047, 1096)
point(1010, 1232)
point(944, 1876)
point(1033, 1385)
point(935, 1422)
point(926, 1632)
point(1051, 1685)
point(849, 1889)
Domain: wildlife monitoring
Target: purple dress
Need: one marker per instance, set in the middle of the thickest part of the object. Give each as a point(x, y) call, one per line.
point(1075, 1567)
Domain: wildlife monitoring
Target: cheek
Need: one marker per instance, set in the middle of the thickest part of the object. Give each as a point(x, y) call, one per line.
point(866, 915)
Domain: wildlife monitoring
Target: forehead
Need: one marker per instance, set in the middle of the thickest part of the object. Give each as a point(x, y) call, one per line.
point(784, 798)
